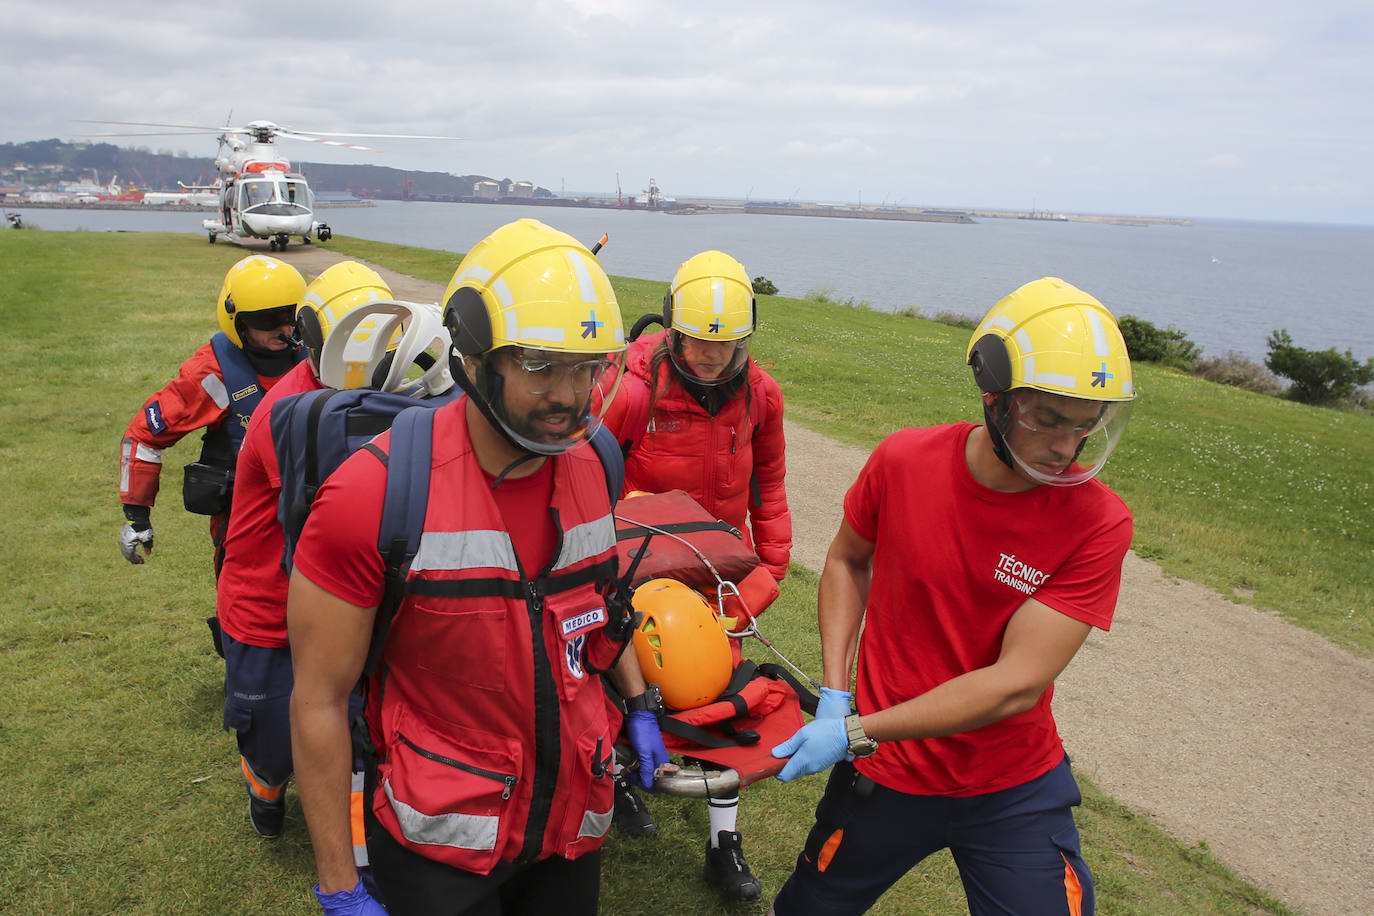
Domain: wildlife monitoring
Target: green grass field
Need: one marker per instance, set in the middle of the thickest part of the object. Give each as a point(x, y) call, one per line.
point(125, 793)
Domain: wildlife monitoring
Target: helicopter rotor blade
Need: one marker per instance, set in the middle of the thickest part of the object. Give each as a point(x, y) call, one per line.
point(293, 135)
point(321, 133)
point(154, 133)
point(180, 127)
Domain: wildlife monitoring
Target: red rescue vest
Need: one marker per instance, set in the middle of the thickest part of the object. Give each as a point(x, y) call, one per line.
point(493, 732)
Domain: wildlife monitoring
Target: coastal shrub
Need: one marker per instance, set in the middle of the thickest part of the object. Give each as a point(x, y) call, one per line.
point(823, 293)
point(955, 319)
point(764, 287)
point(1237, 370)
point(1318, 376)
point(1146, 342)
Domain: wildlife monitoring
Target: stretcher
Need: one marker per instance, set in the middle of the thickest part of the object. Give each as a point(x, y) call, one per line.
point(725, 745)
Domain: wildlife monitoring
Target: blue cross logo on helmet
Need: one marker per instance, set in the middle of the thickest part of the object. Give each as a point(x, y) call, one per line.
point(1100, 377)
point(590, 326)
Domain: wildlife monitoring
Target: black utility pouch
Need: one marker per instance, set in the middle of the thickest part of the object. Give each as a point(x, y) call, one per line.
point(207, 489)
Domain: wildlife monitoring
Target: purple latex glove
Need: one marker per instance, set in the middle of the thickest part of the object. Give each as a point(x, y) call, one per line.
point(647, 741)
point(817, 745)
point(357, 902)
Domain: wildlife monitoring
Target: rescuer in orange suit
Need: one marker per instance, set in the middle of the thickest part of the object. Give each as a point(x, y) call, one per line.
point(215, 390)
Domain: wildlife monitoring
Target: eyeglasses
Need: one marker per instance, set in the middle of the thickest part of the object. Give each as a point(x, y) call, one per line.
point(1045, 420)
point(270, 319)
point(540, 374)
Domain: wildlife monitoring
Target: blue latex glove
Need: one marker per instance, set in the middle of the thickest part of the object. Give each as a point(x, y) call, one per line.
point(834, 704)
point(647, 741)
point(357, 902)
point(817, 745)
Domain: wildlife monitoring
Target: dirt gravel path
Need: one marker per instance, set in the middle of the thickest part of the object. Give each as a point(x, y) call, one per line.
point(1221, 723)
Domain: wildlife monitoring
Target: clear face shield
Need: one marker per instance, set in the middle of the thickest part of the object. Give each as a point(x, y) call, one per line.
point(545, 400)
point(707, 362)
point(1058, 440)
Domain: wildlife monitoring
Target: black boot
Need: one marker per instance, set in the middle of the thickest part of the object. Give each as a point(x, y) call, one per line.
point(631, 816)
point(267, 817)
point(727, 870)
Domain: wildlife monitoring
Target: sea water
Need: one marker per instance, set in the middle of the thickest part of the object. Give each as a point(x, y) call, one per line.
point(1227, 285)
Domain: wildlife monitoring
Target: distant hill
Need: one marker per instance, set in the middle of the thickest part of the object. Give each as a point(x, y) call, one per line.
point(47, 161)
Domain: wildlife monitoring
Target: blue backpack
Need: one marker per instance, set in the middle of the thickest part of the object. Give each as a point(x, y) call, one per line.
point(314, 431)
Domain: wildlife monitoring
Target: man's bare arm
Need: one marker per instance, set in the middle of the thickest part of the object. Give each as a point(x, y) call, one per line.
point(840, 602)
point(1038, 644)
point(329, 642)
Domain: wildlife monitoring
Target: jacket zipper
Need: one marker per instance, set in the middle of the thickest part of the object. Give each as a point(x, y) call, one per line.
point(459, 765)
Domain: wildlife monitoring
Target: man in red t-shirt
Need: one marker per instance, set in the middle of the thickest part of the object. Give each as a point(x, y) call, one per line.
point(977, 558)
point(251, 591)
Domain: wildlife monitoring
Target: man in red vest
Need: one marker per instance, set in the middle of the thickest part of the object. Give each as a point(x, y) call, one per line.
point(492, 784)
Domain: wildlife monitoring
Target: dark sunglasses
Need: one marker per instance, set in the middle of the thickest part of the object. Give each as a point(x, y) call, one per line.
point(270, 319)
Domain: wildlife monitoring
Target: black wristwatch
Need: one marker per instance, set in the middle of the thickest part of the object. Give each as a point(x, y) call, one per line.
point(651, 700)
point(860, 745)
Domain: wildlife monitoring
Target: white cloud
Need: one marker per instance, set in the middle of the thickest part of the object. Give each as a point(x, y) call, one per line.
point(976, 100)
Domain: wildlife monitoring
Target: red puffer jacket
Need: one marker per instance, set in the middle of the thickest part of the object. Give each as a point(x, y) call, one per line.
point(734, 463)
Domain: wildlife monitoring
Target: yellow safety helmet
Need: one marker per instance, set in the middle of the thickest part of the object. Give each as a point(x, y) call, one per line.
point(681, 644)
point(257, 283)
point(712, 299)
point(341, 288)
point(541, 296)
point(1052, 338)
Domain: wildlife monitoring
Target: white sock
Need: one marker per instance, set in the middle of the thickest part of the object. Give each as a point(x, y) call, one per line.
point(724, 813)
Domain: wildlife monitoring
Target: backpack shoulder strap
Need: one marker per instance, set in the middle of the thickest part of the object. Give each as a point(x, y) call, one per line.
point(612, 462)
point(313, 478)
point(403, 515)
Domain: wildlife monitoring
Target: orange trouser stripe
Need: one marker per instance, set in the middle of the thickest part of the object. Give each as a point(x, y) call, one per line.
point(1073, 890)
point(355, 807)
point(266, 793)
point(828, 850)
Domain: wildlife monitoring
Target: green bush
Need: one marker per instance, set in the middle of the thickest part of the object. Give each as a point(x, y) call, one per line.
point(1148, 343)
point(764, 287)
point(1318, 376)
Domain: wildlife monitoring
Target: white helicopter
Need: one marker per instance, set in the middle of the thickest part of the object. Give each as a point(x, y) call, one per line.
point(259, 196)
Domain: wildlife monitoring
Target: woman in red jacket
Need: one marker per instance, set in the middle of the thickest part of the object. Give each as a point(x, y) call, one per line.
point(696, 413)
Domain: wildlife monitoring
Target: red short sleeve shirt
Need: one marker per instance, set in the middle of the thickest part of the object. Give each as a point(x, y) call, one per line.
point(953, 560)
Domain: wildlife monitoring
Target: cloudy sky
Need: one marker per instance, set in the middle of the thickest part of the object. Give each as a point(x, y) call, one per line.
point(1250, 109)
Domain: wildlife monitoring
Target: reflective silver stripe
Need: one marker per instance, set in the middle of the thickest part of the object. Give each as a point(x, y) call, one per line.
point(150, 455)
point(126, 449)
point(594, 823)
point(582, 542)
point(585, 285)
point(359, 842)
point(465, 550)
point(1099, 333)
point(460, 831)
point(214, 387)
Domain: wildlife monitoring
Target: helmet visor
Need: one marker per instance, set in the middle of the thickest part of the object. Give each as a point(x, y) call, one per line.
point(269, 319)
point(547, 401)
point(1058, 440)
point(707, 362)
